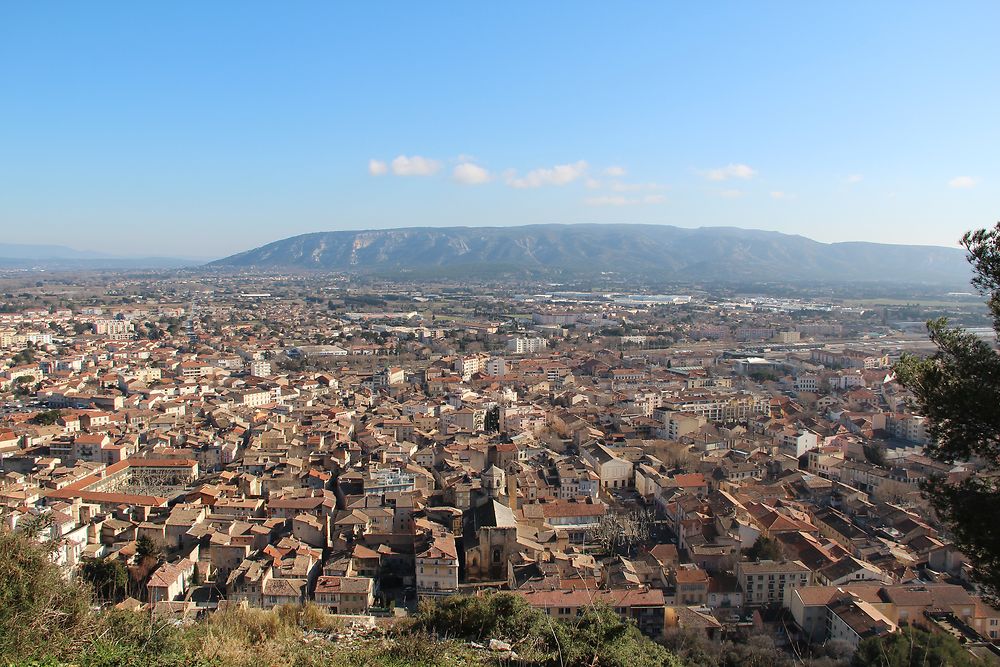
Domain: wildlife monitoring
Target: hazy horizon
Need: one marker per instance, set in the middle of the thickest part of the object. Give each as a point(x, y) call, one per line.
point(205, 130)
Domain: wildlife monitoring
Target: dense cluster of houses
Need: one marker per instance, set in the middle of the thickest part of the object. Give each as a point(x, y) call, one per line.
point(695, 488)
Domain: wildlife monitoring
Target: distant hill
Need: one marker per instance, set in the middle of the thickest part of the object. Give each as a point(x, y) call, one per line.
point(14, 251)
point(703, 254)
point(57, 257)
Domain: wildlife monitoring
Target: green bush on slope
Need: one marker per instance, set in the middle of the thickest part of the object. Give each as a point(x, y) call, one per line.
point(40, 611)
point(598, 637)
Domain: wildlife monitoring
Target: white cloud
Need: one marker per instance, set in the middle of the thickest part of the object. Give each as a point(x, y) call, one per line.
point(621, 200)
point(740, 171)
point(963, 182)
point(592, 184)
point(855, 178)
point(377, 167)
point(615, 171)
point(561, 174)
point(414, 165)
point(731, 194)
point(778, 194)
point(468, 173)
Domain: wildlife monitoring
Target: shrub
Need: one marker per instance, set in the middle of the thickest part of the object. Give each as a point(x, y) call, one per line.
point(912, 647)
point(41, 613)
point(133, 639)
point(599, 637)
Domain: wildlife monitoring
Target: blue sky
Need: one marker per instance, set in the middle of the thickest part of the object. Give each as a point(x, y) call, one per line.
point(200, 129)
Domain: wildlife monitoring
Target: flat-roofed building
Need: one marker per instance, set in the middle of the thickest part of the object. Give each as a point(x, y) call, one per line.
point(766, 581)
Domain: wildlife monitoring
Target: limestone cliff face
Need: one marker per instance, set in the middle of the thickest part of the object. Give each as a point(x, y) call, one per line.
point(659, 251)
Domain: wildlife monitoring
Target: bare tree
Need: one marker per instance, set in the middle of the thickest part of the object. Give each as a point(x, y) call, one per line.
point(621, 532)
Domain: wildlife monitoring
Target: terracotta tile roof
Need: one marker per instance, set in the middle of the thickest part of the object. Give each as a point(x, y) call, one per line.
point(334, 584)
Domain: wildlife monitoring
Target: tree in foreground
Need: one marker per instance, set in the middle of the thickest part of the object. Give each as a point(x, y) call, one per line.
point(912, 647)
point(146, 548)
point(108, 576)
point(958, 390)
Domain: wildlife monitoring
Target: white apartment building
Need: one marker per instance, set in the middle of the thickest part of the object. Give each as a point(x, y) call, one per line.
point(808, 383)
point(114, 329)
point(15, 340)
point(797, 441)
point(846, 381)
point(470, 365)
point(388, 480)
point(765, 581)
point(260, 368)
point(719, 406)
point(526, 345)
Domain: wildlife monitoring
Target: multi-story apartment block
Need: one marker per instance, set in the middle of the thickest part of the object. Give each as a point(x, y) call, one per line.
point(115, 329)
point(468, 366)
point(678, 424)
point(755, 333)
point(496, 366)
point(807, 383)
point(718, 406)
point(259, 368)
point(526, 345)
point(388, 480)
point(765, 582)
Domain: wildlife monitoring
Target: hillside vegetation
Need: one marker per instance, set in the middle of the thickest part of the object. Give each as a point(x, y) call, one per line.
point(47, 620)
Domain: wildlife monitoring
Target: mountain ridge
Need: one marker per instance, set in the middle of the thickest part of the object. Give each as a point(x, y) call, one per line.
point(663, 251)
